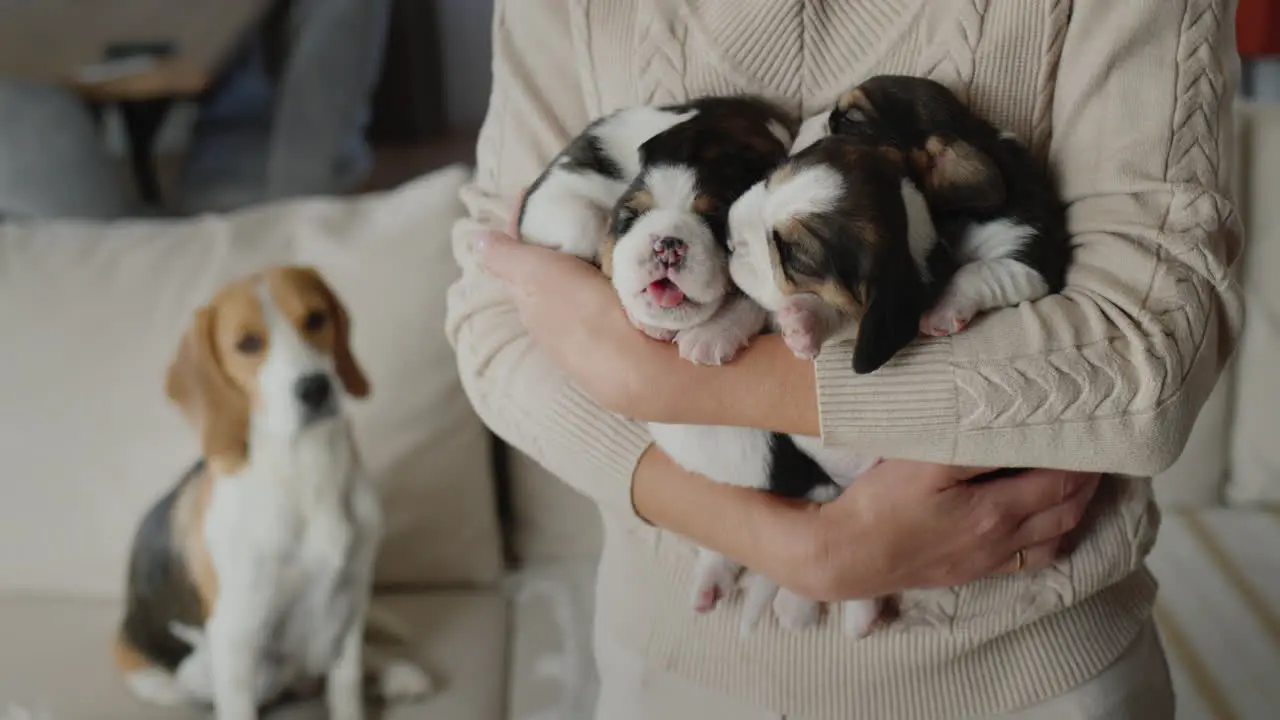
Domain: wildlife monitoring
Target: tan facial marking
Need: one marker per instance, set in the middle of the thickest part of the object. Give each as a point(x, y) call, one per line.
point(704, 203)
point(213, 377)
point(856, 99)
point(793, 232)
point(320, 319)
point(606, 254)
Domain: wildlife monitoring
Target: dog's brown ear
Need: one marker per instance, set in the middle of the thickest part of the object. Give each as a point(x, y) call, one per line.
point(959, 176)
point(197, 383)
point(353, 378)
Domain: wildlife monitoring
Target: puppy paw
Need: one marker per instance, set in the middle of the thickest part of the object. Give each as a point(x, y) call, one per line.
point(795, 613)
point(946, 319)
point(401, 681)
point(710, 345)
point(715, 580)
point(859, 618)
point(656, 333)
point(800, 320)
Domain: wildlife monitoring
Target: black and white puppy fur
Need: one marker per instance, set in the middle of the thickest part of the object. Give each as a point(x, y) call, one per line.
point(996, 209)
point(915, 215)
point(667, 255)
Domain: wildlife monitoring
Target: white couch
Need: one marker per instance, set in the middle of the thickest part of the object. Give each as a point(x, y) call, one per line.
point(492, 577)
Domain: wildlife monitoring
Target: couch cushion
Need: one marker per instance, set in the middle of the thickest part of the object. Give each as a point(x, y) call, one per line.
point(55, 661)
point(1255, 454)
point(92, 313)
point(551, 521)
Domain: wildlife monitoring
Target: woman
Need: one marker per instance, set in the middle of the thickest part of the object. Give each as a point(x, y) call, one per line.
point(1131, 102)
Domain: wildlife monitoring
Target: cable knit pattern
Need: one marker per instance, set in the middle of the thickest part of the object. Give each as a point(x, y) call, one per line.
point(1130, 99)
point(950, 60)
point(1194, 154)
point(660, 55)
point(1055, 35)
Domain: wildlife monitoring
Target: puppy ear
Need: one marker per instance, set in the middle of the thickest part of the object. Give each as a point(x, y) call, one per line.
point(855, 107)
point(960, 177)
point(353, 378)
point(891, 319)
point(198, 385)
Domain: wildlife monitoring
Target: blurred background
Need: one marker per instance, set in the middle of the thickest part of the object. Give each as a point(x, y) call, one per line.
point(209, 105)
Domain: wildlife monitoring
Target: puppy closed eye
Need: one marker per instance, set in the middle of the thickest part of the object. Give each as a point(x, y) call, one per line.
point(623, 220)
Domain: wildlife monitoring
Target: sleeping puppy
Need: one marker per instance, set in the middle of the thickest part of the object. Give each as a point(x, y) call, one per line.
point(995, 206)
point(250, 579)
point(836, 242)
point(987, 228)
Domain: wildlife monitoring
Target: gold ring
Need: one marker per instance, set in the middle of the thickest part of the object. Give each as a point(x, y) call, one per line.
point(1022, 560)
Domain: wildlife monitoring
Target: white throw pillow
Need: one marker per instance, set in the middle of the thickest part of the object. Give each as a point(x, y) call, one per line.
point(91, 314)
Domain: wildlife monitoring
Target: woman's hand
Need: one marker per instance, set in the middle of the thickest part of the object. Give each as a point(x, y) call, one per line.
point(573, 313)
point(905, 525)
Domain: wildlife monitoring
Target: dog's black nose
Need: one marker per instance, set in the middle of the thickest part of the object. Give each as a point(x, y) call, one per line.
point(313, 391)
point(669, 250)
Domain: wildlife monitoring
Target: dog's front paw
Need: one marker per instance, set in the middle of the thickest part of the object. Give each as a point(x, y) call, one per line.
point(860, 618)
point(801, 322)
point(656, 333)
point(795, 613)
point(950, 316)
point(715, 580)
point(401, 681)
point(710, 344)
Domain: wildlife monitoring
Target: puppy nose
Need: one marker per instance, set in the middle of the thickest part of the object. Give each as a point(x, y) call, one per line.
point(313, 390)
point(668, 250)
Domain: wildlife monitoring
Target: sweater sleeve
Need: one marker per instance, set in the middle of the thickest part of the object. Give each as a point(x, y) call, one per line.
point(1109, 375)
point(536, 106)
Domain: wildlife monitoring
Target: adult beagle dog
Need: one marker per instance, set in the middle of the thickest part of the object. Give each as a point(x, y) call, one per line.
point(250, 580)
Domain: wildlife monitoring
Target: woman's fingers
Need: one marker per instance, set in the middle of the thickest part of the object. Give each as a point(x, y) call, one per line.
point(1033, 557)
point(1056, 521)
point(1020, 496)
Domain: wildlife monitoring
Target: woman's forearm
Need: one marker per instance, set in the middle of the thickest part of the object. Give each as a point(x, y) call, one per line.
point(765, 387)
point(763, 532)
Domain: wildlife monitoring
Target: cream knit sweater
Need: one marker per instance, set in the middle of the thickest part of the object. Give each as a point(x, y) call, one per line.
point(1131, 101)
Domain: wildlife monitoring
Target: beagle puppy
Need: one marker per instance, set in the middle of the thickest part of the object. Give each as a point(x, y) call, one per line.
point(900, 212)
point(250, 580)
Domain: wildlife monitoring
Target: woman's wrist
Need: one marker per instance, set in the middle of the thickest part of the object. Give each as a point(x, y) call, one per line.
point(761, 531)
point(765, 387)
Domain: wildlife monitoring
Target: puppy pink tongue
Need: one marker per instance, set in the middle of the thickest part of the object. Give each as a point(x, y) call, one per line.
point(665, 293)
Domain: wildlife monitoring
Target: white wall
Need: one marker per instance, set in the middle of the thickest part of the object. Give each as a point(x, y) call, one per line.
point(465, 35)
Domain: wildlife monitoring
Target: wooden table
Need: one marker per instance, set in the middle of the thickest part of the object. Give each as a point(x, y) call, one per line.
point(53, 41)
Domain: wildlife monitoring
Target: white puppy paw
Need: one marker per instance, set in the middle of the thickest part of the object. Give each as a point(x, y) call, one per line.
point(656, 333)
point(859, 617)
point(802, 322)
point(710, 344)
point(795, 613)
point(948, 318)
point(715, 579)
point(401, 681)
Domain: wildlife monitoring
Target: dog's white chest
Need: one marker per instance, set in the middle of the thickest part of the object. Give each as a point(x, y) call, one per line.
point(299, 541)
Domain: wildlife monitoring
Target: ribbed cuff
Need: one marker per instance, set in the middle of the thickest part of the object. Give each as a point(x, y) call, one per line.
point(605, 447)
point(905, 409)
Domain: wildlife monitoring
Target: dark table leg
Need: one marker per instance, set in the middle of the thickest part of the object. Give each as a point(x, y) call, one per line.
point(142, 120)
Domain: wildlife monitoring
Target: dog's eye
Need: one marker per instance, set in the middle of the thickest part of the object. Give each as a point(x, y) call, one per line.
point(623, 221)
point(249, 344)
point(315, 321)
